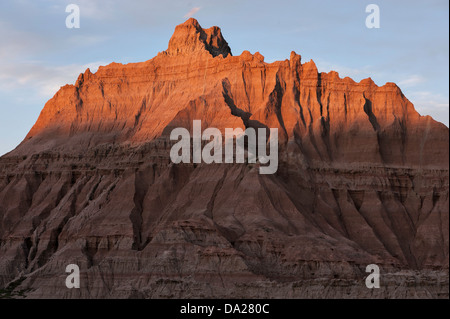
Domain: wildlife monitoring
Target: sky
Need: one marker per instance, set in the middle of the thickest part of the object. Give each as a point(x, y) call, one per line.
point(39, 54)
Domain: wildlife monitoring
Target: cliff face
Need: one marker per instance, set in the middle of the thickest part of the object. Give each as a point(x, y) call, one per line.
point(362, 179)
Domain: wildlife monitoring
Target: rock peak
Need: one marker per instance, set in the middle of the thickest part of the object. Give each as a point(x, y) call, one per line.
point(191, 21)
point(189, 38)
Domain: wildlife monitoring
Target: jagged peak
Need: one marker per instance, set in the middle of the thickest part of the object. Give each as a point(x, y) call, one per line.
point(294, 57)
point(367, 81)
point(248, 56)
point(189, 37)
point(84, 77)
point(310, 68)
point(191, 21)
point(310, 64)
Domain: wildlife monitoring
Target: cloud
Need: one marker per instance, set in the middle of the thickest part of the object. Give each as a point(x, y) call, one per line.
point(45, 80)
point(357, 74)
point(15, 42)
point(87, 40)
point(91, 9)
point(192, 12)
point(412, 81)
point(429, 99)
point(430, 103)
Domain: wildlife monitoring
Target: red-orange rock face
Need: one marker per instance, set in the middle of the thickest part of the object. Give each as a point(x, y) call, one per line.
point(363, 178)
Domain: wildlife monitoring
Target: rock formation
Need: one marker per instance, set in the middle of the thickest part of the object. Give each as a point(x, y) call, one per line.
point(363, 178)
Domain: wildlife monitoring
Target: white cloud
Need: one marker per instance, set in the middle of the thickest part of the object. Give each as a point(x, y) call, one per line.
point(429, 103)
point(357, 74)
point(192, 12)
point(413, 80)
point(15, 42)
point(44, 79)
point(429, 99)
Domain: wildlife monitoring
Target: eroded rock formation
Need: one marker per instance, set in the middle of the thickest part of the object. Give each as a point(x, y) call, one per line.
point(363, 178)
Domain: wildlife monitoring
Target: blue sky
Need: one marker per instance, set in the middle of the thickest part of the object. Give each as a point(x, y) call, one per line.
point(38, 54)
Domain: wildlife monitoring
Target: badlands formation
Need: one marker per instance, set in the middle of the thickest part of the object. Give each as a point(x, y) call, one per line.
point(362, 179)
